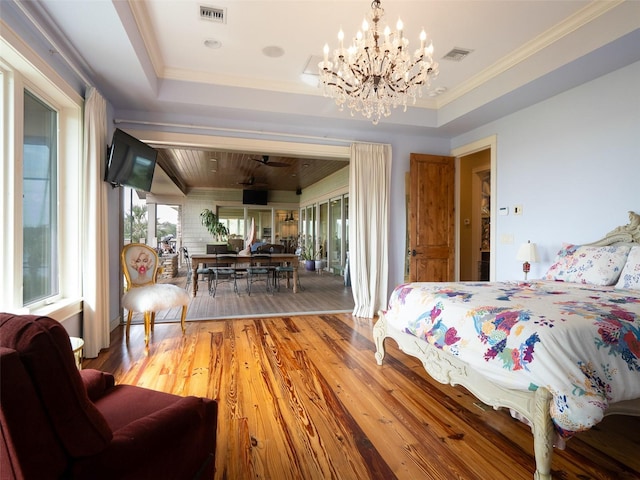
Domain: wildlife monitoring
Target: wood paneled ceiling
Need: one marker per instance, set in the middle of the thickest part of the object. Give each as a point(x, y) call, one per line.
point(199, 168)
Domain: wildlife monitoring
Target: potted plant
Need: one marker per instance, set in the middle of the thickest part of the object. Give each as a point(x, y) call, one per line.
point(319, 261)
point(308, 256)
point(213, 225)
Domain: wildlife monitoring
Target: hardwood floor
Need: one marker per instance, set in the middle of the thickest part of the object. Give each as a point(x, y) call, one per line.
point(301, 397)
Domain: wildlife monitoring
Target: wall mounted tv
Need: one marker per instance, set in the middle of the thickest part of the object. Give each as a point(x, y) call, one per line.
point(130, 162)
point(254, 197)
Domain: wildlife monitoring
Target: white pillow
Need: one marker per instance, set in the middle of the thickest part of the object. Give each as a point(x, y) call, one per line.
point(586, 264)
point(630, 276)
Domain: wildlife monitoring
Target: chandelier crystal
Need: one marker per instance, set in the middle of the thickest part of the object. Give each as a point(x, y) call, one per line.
point(377, 72)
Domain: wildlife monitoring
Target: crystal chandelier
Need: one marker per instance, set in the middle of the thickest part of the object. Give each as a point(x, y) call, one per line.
point(377, 72)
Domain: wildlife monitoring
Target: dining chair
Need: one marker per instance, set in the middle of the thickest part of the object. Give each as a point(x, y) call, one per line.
point(284, 271)
point(143, 294)
point(270, 248)
point(223, 270)
point(260, 269)
point(203, 272)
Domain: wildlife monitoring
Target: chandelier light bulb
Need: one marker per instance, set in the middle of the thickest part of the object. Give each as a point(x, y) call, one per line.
point(399, 27)
point(365, 25)
point(423, 37)
point(430, 49)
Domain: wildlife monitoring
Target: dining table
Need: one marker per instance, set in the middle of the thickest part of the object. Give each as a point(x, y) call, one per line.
point(198, 259)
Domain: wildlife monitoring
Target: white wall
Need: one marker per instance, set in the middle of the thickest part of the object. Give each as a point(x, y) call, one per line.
point(572, 162)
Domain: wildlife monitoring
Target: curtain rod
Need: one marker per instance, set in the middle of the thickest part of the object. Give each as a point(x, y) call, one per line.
point(232, 130)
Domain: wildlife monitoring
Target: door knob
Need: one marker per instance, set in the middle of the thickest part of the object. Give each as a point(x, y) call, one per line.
point(413, 252)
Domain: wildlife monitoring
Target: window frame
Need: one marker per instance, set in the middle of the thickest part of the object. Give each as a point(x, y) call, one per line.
point(21, 69)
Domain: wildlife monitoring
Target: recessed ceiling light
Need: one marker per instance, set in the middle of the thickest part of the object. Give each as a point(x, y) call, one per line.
point(212, 43)
point(273, 51)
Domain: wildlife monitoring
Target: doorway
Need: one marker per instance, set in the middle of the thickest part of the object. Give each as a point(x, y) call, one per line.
point(476, 210)
point(474, 216)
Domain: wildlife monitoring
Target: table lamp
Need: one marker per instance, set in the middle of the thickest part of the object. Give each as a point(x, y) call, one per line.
point(527, 253)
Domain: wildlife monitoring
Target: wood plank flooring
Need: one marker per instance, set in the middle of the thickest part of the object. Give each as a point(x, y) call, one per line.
point(301, 397)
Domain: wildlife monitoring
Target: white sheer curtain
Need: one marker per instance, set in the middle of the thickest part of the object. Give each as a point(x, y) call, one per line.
point(95, 261)
point(369, 190)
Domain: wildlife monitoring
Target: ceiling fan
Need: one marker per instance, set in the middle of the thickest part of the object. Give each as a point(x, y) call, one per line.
point(265, 161)
point(251, 182)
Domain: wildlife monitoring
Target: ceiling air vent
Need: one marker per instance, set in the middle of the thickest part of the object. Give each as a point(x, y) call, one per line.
point(456, 54)
point(214, 14)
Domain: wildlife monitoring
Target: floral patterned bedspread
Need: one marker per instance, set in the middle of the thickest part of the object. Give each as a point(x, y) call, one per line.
point(580, 342)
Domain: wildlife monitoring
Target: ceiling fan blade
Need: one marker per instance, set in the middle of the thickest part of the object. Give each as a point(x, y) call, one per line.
point(276, 164)
point(265, 161)
point(249, 182)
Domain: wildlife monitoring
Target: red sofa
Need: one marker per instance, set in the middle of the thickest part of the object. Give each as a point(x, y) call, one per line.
point(59, 422)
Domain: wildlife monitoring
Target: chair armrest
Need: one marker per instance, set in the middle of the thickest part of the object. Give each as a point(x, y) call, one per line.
point(170, 443)
point(96, 382)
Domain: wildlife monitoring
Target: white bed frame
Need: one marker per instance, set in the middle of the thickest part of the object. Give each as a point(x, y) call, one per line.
point(533, 406)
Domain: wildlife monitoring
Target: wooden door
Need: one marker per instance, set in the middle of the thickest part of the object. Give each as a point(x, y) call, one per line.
point(431, 218)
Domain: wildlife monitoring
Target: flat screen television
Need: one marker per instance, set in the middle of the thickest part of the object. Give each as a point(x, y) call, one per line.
point(130, 162)
point(254, 197)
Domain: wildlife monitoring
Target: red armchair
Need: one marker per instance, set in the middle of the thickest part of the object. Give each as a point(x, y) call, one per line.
point(58, 422)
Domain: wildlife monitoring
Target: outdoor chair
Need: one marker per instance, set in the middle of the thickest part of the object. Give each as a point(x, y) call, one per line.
point(203, 273)
point(260, 270)
point(284, 271)
point(223, 270)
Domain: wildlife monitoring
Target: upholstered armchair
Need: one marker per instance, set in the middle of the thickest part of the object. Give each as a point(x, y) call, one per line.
point(59, 422)
point(143, 294)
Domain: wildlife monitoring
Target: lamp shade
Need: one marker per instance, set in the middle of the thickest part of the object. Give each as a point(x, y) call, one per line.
point(527, 252)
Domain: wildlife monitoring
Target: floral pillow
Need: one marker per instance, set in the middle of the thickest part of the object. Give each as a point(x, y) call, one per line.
point(630, 276)
point(592, 265)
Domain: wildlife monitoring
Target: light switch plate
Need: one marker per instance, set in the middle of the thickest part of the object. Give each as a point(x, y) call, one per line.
point(506, 239)
point(517, 210)
point(503, 211)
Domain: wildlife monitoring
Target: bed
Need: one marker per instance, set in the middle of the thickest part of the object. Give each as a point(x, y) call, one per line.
point(560, 352)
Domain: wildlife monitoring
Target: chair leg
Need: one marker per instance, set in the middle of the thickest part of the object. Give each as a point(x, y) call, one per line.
point(213, 283)
point(147, 328)
point(183, 319)
point(129, 316)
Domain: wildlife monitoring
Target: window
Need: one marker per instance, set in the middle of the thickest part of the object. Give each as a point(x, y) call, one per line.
point(40, 196)
point(136, 217)
point(40, 172)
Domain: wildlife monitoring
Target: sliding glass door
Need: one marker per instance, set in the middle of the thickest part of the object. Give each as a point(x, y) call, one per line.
point(330, 221)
